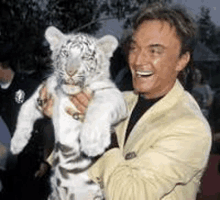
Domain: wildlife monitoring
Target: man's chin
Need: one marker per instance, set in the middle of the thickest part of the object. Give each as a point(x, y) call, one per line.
point(139, 90)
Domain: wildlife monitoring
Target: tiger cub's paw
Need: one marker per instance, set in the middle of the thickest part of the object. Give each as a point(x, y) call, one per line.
point(17, 146)
point(95, 138)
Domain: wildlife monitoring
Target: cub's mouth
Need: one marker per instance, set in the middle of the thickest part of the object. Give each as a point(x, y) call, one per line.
point(72, 83)
point(69, 81)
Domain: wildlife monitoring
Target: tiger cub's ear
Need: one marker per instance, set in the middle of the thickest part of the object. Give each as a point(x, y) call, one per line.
point(108, 44)
point(53, 36)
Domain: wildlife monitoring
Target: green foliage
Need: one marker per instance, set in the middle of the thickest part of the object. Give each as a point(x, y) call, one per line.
point(69, 15)
point(206, 26)
point(209, 34)
point(126, 9)
point(216, 42)
point(23, 22)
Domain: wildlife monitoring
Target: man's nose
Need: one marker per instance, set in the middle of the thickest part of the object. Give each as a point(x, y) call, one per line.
point(141, 58)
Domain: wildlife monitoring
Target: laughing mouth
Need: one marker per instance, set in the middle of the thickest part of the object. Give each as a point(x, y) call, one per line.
point(143, 73)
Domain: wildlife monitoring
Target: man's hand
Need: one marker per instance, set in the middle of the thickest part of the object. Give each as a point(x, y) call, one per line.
point(43, 169)
point(45, 102)
point(81, 101)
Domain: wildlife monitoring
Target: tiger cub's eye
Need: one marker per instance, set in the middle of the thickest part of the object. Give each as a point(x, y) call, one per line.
point(64, 53)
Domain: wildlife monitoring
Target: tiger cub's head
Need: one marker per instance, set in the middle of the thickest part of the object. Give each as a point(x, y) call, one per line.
point(79, 59)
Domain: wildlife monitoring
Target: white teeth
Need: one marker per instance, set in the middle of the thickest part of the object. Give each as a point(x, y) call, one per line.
point(144, 73)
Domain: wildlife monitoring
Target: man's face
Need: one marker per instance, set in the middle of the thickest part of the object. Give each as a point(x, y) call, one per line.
point(5, 73)
point(154, 58)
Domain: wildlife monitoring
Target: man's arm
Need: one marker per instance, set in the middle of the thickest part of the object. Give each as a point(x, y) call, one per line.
point(175, 159)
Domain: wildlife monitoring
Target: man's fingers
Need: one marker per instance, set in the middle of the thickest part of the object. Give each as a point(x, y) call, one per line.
point(72, 112)
point(88, 93)
point(42, 170)
point(80, 107)
point(43, 92)
point(45, 102)
point(82, 98)
point(48, 107)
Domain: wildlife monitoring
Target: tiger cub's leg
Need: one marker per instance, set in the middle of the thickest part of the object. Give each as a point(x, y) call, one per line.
point(65, 194)
point(89, 192)
point(55, 193)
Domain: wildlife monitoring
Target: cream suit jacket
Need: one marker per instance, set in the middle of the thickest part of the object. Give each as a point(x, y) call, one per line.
point(165, 155)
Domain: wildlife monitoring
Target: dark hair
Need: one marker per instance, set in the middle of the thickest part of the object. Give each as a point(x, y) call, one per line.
point(7, 53)
point(177, 17)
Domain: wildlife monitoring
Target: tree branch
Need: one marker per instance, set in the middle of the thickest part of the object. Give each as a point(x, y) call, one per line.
point(93, 22)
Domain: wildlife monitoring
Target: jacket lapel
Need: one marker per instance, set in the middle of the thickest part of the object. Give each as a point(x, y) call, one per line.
point(131, 100)
point(145, 127)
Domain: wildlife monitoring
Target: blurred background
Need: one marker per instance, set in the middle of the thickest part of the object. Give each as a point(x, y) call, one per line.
point(23, 23)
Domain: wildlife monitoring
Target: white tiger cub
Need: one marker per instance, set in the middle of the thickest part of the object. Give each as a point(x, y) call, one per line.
point(80, 61)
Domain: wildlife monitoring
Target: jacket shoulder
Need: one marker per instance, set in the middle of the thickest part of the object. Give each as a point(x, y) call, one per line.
point(188, 114)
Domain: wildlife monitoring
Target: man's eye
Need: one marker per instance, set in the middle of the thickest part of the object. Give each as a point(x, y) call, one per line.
point(133, 48)
point(156, 51)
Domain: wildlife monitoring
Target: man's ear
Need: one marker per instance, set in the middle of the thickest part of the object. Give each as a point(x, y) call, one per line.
point(183, 61)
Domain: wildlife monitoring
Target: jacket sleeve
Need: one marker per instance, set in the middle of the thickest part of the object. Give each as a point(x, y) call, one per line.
point(174, 159)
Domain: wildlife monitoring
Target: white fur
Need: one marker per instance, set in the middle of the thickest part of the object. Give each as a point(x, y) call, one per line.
point(105, 110)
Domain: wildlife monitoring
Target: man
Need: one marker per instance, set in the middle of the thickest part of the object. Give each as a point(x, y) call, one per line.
point(164, 144)
point(22, 179)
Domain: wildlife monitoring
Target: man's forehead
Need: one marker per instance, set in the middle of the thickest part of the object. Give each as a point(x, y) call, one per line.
point(154, 32)
point(159, 26)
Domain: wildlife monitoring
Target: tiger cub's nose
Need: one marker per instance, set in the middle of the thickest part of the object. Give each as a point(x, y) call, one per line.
point(70, 71)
